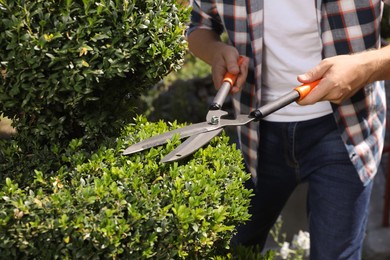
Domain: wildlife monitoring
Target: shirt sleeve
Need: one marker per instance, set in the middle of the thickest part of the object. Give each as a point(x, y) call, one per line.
point(204, 15)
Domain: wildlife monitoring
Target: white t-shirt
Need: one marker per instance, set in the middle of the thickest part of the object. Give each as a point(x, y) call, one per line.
point(292, 46)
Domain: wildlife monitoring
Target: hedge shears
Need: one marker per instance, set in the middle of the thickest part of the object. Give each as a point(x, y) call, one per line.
point(200, 134)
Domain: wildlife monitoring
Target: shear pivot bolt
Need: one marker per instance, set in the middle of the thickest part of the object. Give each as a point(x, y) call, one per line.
point(214, 120)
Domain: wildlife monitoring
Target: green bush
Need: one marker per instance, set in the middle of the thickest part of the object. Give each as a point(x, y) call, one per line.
point(71, 72)
point(109, 206)
point(72, 69)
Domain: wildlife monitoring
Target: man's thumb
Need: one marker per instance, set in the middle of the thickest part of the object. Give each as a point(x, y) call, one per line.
point(314, 74)
point(306, 78)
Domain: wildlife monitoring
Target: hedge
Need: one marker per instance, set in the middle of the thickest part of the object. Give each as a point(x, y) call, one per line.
point(103, 205)
point(71, 74)
point(75, 69)
point(71, 69)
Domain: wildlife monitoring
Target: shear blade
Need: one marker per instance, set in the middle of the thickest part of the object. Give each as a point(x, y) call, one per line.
point(163, 138)
point(190, 130)
point(190, 145)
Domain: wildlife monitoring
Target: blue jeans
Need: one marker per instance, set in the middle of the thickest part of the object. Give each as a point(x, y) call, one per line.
point(309, 151)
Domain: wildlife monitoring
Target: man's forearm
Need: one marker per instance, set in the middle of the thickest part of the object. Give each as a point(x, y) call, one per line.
point(381, 62)
point(204, 43)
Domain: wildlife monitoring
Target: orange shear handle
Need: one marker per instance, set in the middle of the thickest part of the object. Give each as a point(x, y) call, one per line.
point(231, 78)
point(305, 89)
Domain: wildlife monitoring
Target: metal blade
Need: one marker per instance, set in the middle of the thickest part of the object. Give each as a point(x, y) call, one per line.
point(163, 138)
point(190, 145)
point(186, 132)
point(237, 121)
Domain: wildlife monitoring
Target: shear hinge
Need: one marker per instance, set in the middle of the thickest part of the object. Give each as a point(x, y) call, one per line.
point(215, 106)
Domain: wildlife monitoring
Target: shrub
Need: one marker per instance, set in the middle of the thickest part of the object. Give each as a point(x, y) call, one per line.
point(70, 72)
point(72, 69)
point(108, 206)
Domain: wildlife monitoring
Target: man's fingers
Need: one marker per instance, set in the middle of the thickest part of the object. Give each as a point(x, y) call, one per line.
point(334, 92)
point(218, 72)
point(241, 76)
point(315, 73)
point(221, 68)
point(315, 94)
point(231, 62)
point(321, 91)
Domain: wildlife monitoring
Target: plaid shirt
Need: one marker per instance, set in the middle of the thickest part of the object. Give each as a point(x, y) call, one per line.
point(346, 27)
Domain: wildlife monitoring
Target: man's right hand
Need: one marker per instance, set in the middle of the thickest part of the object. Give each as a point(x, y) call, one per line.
point(225, 60)
point(206, 45)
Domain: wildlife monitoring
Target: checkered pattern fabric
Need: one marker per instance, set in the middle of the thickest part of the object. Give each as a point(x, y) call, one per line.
point(346, 27)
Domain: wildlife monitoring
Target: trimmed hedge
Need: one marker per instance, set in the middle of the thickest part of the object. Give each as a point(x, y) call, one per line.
point(108, 206)
point(75, 69)
point(70, 75)
point(72, 69)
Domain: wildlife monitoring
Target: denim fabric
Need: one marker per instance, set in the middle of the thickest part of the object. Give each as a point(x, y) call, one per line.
point(309, 151)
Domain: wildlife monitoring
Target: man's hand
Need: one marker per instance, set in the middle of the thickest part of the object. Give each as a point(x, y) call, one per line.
point(225, 60)
point(207, 45)
point(342, 76)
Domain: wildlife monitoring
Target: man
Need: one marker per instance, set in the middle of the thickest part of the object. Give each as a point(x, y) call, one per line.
point(334, 142)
